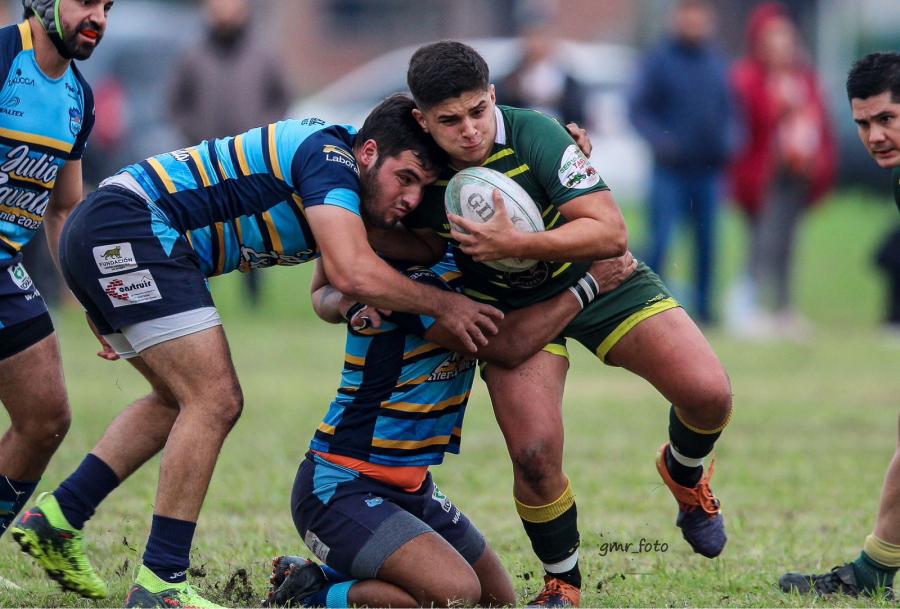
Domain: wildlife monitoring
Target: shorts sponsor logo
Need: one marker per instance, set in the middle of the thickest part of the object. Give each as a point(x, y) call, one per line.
point(576, 171)
point(316, 545)
point(456, 516)
point(20, 277)
point(443, 499)
point(374, 501)
point(114, 257)
point(130, 288)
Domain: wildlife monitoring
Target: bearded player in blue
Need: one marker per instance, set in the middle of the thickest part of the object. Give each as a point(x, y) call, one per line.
point(46, 115)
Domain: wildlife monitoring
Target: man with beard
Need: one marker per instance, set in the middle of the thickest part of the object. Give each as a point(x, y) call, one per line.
point(46, 115)
point(137, 254)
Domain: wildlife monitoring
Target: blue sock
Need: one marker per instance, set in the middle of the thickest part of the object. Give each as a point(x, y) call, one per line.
point(14, 494)
point(168, 552)
point(332, 595)
point(80, 494)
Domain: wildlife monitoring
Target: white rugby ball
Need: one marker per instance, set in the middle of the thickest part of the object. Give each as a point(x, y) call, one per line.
point(470, 194)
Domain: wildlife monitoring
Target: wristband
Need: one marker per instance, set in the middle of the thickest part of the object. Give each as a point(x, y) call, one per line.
point(586, 290)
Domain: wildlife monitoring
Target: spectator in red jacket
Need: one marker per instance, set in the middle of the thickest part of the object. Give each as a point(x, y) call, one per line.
point(787, 165)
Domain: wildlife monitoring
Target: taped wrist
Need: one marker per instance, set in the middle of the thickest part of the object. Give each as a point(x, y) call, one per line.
point(586, 290)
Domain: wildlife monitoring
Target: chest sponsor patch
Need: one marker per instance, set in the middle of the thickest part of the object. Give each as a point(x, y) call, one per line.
point(114, 258)
point(130, 288)
point(20, 277)
point(576, 171)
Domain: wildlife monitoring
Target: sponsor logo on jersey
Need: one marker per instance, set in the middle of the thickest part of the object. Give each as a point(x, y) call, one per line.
point(75, 120)
point(336, 154)
point(441, 498)
point(131, 288)
point(576, 171)
point(312, 122)
point(374, 502)
point(20, 79)
point(114, 258)
point(252, 259)
point(182, 155)
point(315, 544)
point(529, 278)
point(8, 106)
point(452, 367)
point(20, 277)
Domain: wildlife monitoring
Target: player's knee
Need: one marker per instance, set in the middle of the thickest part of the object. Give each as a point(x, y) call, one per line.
point(453, 592)
point(537, 464)
point(710, 400)
point(46, 431)
point(231, 406)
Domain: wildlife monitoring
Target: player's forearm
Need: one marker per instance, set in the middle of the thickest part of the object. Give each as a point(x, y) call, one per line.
point(330, 305)
point(579, 240)
point(53, 225)
point(524, 332)
point(373, 282)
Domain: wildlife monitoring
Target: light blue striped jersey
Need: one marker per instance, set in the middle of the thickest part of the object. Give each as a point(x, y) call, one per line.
point(44, 122)
point(402, 398)
point(240, 200)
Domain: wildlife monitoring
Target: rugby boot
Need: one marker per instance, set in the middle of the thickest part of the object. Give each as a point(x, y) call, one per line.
point(149, 590)
point(45, 534)
point(556, 593)
point(699, 513)
point(293, 579)
point(840, 580)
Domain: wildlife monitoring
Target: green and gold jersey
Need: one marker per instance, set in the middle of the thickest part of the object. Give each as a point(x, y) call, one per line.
point(895, 180)
point(539, 154)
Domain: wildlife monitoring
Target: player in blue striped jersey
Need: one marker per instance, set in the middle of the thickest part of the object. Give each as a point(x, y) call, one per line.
point(364, 501)
point(137, 254)
point(46, 115)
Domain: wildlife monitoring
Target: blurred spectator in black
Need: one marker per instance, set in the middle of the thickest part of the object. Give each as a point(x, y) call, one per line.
point(229, 83)
point(683, 106)
point(787, 165)
point(887, 258)
point(541, 80)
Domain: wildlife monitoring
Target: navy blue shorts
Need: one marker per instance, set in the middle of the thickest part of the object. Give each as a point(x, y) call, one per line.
point(126, 264)
point(354, 523)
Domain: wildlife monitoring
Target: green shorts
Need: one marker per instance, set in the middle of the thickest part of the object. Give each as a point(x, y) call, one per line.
point(611, 316)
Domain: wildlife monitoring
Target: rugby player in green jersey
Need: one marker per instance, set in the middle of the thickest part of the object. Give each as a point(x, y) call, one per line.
point(638, 326)
point(873, 88)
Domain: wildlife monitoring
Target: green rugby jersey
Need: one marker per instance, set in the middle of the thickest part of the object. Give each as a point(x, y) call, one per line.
point(539, 154)
point(895, 180)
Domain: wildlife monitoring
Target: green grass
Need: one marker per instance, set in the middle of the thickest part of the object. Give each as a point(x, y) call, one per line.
point(799, 471)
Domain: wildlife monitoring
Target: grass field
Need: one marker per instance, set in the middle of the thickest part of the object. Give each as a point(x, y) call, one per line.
point(799, 471)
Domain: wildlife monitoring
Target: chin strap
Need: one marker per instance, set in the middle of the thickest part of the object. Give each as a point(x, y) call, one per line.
point(47, 13)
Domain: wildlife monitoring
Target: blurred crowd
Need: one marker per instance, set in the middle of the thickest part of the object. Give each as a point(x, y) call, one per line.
point(754, 129)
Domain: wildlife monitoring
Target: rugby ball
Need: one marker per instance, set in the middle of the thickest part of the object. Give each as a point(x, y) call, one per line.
point(470, 194)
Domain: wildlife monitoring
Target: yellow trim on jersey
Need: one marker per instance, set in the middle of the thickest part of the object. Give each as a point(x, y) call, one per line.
point(441, 182)
point(222, 170)
point(498, 155)
point(547, 211)
point(25, 33)
point(273, 232)
point(21, 213)
point(520, 169)
point(410, 444)
point(630, 322)
point(201, 168)
point(420, 350)
point(445, 235)
point(298, 200)
point(326, 428)
point(413, 382)
point(479, 295)
point(14, 244)
point(48, 185)
point(451, 275)
point(190, 239)
point(354, 359)
point(41, 140)
point(273, 154)
point(241, 155)
point(163, 175)
point(552, 223)
point(239, 230)
point(562, 268)
point(220, 259)
point(413, 407)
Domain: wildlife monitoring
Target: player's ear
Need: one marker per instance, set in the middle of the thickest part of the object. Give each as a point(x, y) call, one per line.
point(493, 93)
point(367, 154)
point(420, 118)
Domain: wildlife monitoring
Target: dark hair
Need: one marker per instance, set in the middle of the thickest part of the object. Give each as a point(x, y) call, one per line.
point(873, 75)
point(27, 13)
point(443, 70)
point(394, 128)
